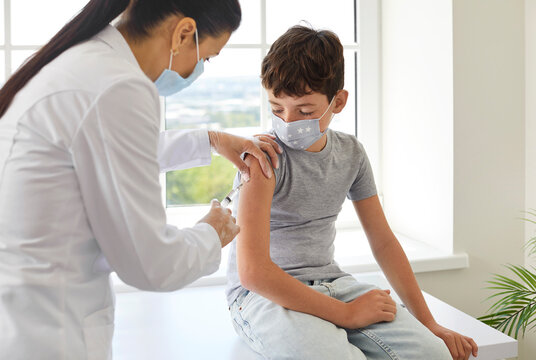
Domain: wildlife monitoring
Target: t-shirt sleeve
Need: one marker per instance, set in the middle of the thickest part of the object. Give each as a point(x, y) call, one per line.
point(363, 186)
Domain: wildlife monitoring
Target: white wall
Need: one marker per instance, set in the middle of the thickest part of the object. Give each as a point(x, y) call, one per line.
point(529, 344)
point(417, 117)
point(473, 171)
point(530, 113)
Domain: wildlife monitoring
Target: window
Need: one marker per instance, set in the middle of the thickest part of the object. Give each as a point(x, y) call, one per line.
point(22, 32)
point(229, 97)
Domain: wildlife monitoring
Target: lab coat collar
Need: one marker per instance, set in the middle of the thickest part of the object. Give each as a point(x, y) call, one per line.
point(111, 36)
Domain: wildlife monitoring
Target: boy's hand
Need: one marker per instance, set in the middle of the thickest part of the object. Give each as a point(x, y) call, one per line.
point(373, 307)
point(460, 347)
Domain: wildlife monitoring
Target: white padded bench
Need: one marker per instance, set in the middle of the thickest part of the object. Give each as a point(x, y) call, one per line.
point(194, 324)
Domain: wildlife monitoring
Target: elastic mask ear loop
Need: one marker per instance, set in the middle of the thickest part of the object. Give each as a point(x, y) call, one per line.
point(330, 103)
point(170, 58)
point(197, 43)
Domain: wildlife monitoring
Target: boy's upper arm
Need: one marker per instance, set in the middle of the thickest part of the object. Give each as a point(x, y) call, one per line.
point(363, 186)
point(253, 217)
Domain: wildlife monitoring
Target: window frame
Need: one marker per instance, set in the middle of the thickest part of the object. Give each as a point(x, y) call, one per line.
point(366, 22)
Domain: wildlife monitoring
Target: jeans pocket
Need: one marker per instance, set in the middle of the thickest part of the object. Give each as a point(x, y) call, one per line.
point(246, 300)
point(241, 324)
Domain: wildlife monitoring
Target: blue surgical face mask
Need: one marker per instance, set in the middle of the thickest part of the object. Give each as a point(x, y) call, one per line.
point(299, 134)
point(171, 82)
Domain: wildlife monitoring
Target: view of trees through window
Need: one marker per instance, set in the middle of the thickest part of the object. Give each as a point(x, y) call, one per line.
point(233, 106)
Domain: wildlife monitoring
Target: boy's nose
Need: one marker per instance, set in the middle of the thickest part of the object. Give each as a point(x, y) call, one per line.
point(289, 118)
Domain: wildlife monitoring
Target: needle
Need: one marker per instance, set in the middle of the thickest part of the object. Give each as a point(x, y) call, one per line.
point(225, 202)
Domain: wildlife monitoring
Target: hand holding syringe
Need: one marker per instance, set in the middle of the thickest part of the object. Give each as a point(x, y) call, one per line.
point(221, 220)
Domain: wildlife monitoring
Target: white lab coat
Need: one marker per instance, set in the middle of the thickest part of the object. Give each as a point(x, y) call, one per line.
point(79, 190)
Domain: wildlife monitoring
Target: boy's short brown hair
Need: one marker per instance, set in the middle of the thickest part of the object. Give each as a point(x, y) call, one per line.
point(304, 60)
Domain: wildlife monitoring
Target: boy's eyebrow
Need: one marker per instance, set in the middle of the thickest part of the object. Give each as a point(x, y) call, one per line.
point(299, 105)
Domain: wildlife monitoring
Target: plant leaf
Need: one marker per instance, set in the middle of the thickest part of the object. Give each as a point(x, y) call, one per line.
point(515, 306)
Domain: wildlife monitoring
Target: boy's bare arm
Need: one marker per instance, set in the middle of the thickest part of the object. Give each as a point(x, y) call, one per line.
point(258, 273)
point(391, 258)
point(395, 265)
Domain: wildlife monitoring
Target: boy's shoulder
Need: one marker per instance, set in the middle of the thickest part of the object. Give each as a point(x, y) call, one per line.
point(342, 141)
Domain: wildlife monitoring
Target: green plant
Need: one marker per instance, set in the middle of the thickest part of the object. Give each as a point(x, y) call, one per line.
point(514, 310)
point(201, 184)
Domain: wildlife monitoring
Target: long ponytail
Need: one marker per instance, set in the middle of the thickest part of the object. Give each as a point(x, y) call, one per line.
point(93, 18)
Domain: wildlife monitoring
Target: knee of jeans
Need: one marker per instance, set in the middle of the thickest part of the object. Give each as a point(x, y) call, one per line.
point(345, 352)
point(437, 350)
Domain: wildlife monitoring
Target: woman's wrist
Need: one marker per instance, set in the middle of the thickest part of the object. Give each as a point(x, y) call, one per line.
point(211, 138)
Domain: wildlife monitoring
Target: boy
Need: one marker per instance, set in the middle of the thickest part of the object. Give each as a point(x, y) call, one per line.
point(287, 296)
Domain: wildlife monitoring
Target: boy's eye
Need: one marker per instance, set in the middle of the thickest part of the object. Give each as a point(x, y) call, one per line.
point(306, 113)
point(275, 111)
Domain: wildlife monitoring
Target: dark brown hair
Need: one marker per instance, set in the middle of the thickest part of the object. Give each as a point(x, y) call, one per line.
point(213, 18)
point(304, 60)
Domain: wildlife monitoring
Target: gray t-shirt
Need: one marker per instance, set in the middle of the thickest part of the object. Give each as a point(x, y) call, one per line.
point(310, 188)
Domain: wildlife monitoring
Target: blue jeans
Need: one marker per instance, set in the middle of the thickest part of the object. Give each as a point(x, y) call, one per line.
point(278, 333)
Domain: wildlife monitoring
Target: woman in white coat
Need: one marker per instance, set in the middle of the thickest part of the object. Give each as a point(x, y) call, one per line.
point(79, 169)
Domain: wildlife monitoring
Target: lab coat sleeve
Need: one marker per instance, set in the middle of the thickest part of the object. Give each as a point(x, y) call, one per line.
point(183, 149)
point(115, 157)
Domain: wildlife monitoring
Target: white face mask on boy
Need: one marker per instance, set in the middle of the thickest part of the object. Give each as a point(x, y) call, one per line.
point(299, 134)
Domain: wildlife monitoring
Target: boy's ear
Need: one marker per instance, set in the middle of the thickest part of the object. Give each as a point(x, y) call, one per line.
point(340, 101)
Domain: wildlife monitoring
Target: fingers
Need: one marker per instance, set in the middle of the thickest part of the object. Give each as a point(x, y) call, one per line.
point(244, 174)
point(459, 346)
point(259, 155)
point(388, 316)
point(268, 144)
point(388, 305)
point(231, 147)
point(222, 221)
point(391, 311)
point(467, 347)
point(451, 344)
point(269, 149)
point(264, 135)
point(241, 166)
point(269, 141)
point(474, 346)
point(229, 231)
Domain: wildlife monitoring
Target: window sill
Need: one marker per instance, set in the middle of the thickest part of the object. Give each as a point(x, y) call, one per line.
point(422, 257)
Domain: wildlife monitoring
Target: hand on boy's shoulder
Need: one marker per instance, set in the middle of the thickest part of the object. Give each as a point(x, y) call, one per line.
point(271, 139)
point(256, 175)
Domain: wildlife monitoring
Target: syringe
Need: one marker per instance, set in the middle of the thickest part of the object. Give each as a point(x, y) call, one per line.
point(227, 200)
